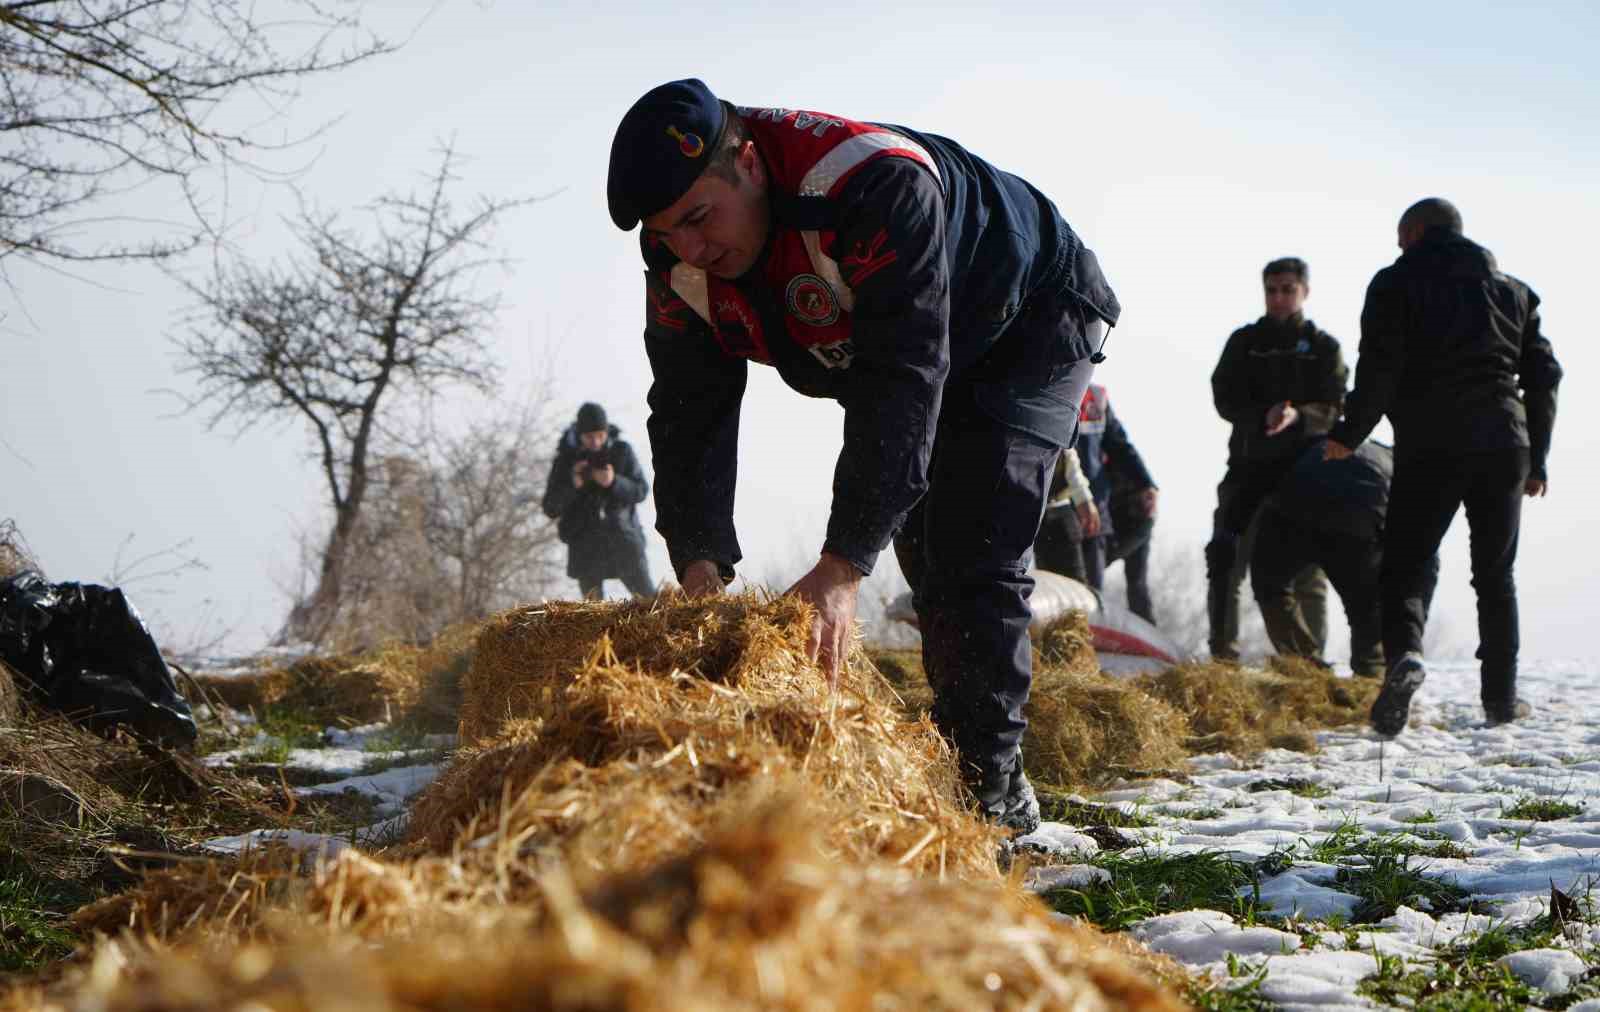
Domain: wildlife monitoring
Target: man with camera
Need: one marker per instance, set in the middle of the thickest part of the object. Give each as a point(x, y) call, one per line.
point(594, 490)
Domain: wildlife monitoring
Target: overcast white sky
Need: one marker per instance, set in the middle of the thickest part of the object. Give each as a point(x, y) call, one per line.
point(1187, 147)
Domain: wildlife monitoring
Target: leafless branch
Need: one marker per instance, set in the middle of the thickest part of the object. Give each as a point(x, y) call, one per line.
point(100, 95)
point(340, 334)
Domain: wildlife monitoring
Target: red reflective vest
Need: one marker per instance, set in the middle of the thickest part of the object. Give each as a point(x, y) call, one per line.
point(808, 154)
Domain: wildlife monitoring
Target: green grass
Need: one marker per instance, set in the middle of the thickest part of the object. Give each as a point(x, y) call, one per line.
point(1515, 760)
point(1446, 986)
point(1298, 786)
point(1077, 813)
point(420, 757)
point(1350, 843)
point(289, 729)
point(1147, 885)
point(296, 728)
point(397, 738)
point(1465, 978)
point(1241, 993)
point(33, 924)
point(1426, 818)
point(1541, 809)
point(269, 753)
point(1389, 882)
point(1194, 814)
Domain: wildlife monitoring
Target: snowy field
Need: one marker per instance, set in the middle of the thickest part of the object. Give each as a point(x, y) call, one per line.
point(1366, 859)
point(1482, 797)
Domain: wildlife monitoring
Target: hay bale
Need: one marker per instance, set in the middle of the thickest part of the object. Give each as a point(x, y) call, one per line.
point(1067, 643)
point(402, 682)
point(526, 657)
point(1086, 729)
point(1244, 710)
point(682, 728)
point(756, 916)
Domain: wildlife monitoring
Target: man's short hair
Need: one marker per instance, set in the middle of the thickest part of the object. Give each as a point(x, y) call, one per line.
point(1432, 212)
point(1288, 265)
point(734, 134)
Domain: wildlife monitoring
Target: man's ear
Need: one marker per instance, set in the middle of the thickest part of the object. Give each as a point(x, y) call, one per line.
point(750, 164)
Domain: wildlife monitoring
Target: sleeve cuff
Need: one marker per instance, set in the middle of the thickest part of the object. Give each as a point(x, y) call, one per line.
point(864, 559)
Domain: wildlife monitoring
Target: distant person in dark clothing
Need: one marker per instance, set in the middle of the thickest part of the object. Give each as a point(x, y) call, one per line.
point(1078, 537)
point(1327, 514)
point(1451, 352)
point(595, 487)
point(1280, 381)
point(1133, 522)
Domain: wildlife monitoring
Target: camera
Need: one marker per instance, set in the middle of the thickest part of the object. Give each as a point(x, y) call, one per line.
point(595, 459)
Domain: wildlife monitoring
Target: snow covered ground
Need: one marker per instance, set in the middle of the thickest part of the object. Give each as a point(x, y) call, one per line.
point(1447, 779)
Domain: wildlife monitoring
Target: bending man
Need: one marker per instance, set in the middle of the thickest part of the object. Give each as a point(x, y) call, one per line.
point(943, 303)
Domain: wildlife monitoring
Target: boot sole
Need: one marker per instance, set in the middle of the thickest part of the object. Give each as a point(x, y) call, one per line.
point(1392, 709)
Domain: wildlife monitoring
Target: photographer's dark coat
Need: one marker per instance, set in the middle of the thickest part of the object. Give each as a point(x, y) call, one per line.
point(600, 526)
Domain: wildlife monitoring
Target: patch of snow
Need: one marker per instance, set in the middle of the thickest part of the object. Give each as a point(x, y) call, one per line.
point(390, 789)
point(1291, 894)
point(1063, 876)
point(1209, 936)
point(1317, 980)
point(315, 844)
point(1552, 971)
point(1058, 839)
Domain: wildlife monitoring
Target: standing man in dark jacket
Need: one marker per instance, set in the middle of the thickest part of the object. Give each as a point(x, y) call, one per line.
point(595, 487)
point(1451, 352)
point(1280, 381)
point(1329, 515)
point(945, 304)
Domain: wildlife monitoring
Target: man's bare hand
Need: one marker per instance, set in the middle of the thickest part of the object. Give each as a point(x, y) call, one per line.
point(1088, 519)
point(604, 476)
point(1147, 500)
point(702, 577)
point(1535, 487)
point(580, 471)
point(831, 587)
point(1335, 451)
point(1280, 416)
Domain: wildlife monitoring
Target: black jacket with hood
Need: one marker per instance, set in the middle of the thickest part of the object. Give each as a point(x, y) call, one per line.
point(1451, 352)
point(600, 526)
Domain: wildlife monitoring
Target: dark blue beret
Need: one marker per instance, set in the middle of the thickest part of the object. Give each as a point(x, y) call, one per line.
point(662, 145)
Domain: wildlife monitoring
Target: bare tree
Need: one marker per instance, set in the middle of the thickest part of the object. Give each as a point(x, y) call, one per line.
point(451, 532)
point(482, 515)
point(98, 96)
point(343, 334)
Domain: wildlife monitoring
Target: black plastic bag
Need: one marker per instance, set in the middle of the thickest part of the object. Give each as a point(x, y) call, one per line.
point(83, 650)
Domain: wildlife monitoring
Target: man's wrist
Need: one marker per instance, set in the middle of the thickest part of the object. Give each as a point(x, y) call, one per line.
point(840, 567)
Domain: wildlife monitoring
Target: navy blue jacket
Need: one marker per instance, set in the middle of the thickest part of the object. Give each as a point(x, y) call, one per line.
point(939, 268)
point(1349, 496)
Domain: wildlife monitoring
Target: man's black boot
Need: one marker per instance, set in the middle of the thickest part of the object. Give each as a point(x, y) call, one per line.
point(1392, 708)
point(1505, 713)
point(1006, 799)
